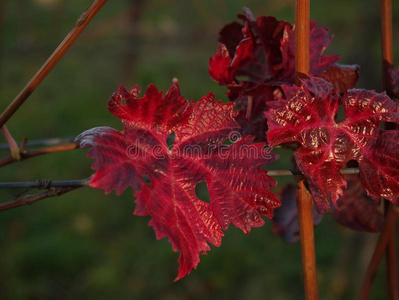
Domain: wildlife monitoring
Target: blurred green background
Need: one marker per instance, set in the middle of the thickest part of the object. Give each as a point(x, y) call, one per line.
point(87, 245)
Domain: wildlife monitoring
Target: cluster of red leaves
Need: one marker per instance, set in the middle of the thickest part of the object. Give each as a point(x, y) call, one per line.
point(198, 154)
point(256, 58)
point(255, 61)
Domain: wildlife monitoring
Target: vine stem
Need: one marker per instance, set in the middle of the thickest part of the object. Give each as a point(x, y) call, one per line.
point(49, 183)
point(29, 199)
point(45, 184)
point(382, 243)
point(29, 154)
point(80, 25)
point(304, 200)
point(39, 143)
point(387, 63)
point(346, 171)
point(54, 189)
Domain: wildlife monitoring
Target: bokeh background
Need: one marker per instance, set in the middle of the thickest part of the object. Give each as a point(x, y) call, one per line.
point(87, 245)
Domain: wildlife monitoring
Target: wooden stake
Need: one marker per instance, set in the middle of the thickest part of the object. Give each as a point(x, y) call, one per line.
point(387, 63)
point(378, 253)
point(304, 200)
point(305, 217)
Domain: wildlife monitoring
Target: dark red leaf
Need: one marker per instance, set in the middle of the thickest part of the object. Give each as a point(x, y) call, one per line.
point(285, 220)
point(343, 77)
point(238, 188)
point(231, 35)
point(307, 116)
point(251, 100)
point(356, 210)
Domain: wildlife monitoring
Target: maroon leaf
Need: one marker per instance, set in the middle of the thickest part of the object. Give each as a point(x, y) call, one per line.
point(224, 69)
point(343, 77)
point(307, 116)
point(252, 102)
point(231, 35)
point(356, 210)
point(285, 220)
point(238, 188)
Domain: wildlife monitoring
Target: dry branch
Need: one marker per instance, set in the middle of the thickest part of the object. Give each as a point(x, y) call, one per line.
point(80, 25)
point(29, 154)
point(29, 199)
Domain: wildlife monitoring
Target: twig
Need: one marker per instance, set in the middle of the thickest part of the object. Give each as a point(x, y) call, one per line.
point(346, 171)
point(29, 199)
point(12, 144)
point(45, 184)
point(378, 252)
point(39, 143)
point(28, 154)
point(80, 25)
point(304, 200)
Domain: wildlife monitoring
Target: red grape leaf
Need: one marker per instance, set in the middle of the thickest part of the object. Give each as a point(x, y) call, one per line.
point(356, 210)
point(238, 188)
point(109, 150)
point(307, 116)
point(285, 220)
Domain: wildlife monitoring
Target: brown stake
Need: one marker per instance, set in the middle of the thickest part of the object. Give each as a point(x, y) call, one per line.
point(304, 200)
point(387, 44)
point(302, 39)
point(80, 25)
point(378, 252)
point(305, 217)
point(387, 63)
